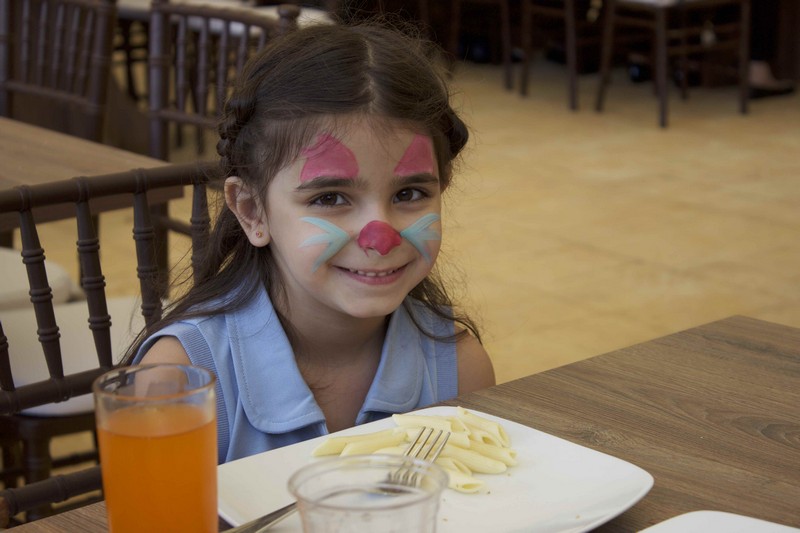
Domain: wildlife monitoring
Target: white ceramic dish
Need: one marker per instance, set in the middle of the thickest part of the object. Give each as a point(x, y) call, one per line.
point(557, 485)
point(705, 521)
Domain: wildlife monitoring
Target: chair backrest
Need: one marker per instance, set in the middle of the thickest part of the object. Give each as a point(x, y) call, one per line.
point(196, 51)
point(57, 51)
point(61, 386)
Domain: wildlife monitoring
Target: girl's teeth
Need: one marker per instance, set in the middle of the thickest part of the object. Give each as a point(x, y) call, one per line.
point(372, 274)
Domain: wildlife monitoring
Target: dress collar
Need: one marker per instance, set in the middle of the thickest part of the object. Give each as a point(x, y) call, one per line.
point(272, 391)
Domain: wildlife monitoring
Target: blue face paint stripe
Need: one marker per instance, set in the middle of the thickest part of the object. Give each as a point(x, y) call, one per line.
point(418, 233)
point(335, 237)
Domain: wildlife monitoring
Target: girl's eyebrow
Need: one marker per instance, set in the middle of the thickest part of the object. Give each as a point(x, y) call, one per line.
point(423, 178)
point(328, 182)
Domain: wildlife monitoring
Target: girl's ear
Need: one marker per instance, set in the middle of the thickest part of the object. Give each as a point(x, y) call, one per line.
point(249, 210)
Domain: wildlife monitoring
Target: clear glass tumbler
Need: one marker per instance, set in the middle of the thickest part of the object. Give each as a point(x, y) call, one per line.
point(368, 494)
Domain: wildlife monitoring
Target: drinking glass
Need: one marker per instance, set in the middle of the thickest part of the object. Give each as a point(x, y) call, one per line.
point(157, 433)
point(368, 494)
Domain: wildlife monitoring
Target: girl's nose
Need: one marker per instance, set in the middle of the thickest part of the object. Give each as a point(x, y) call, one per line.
point(379, 236)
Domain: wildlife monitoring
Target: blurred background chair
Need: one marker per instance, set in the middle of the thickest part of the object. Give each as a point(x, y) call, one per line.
point(196, 53)
point(50, 353)
point(131, 36)
point(574, 19)
point(688, 30)
point(500, 17)
point(55, 58)
point(56, 52)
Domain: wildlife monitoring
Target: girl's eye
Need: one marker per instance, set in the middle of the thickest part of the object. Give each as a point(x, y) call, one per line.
point(328, 199)
point(410, 195)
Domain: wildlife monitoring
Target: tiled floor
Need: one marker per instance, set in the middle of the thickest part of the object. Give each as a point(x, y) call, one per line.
point(577, 233)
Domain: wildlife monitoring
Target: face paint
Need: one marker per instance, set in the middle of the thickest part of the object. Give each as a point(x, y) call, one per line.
point(376, 234)
point(379, 236)
point(418, 232)
point(417, 159)
point(335, 237)
point(330, 158)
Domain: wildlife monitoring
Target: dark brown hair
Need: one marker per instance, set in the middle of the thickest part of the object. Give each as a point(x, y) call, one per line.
point(298, 84)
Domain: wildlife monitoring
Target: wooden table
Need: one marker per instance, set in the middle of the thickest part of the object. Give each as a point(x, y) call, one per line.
point(31, 155)
point(713, 413)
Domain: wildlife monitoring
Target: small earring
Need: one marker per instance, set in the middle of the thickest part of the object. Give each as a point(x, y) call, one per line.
point(259, 234)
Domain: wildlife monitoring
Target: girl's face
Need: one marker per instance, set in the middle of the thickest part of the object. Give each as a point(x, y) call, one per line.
point(353, 223)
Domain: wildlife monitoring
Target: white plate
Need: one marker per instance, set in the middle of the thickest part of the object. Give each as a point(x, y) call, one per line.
point(705, 521)
point(557, 485)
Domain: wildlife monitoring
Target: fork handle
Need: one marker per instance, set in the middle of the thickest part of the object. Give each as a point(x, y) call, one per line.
point(265, 521)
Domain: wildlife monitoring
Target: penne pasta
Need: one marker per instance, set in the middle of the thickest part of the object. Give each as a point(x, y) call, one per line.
point(458, 425)
point(474, 460)
point(505, 455)
point(448, 463)
point(484, 437)
point(462, 482)
point(392, 450)
point(417, 421)
point(459, 439)
point(489, 426)
point(335, 445)
point(475, 445)
point(367, 446)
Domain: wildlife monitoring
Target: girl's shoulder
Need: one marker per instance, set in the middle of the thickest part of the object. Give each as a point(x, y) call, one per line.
point(475, 369)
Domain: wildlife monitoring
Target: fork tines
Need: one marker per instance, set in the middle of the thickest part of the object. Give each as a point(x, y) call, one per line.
point(427, 446)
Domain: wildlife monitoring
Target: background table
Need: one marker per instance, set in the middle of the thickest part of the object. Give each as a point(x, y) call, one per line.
point(32, 155)
point(713, 413)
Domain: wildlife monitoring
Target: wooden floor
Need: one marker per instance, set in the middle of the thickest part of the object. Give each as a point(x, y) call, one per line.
point(574, 233)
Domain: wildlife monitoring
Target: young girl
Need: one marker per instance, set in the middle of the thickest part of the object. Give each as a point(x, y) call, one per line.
point(316, 307)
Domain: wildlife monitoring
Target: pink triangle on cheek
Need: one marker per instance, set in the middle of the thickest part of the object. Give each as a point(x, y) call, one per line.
point(417, 159)
point(329, 158)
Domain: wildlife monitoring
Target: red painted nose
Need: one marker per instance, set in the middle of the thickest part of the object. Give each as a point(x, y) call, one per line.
point(379, 236)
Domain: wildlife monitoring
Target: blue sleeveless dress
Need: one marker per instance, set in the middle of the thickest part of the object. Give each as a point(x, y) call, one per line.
point(263, 401)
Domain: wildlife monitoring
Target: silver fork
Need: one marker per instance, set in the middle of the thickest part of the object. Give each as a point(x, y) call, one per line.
point(428, 445)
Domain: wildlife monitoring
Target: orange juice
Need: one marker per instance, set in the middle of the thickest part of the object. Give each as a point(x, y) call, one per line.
point(159, 462)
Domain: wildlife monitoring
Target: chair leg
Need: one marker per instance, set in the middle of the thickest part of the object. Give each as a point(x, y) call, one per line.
point(607, 51)
point(527, 46)
point(744, 56)
point(683, 60)
point(455, 28)
point(37, 464)
point(505, 28)
point(11, 462)
point(572, 52)
point(661, 64)
point(125, 27)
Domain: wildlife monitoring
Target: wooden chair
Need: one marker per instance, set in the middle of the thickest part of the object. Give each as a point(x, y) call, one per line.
point(50, 354)
point(131, 39)
point(504, 18)
point(55, 58)
point(679, 28)
point(196, 52)
point(576, 15)
point(57, 51)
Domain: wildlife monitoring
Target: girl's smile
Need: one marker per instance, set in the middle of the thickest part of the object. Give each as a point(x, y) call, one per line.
point(374, 277)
